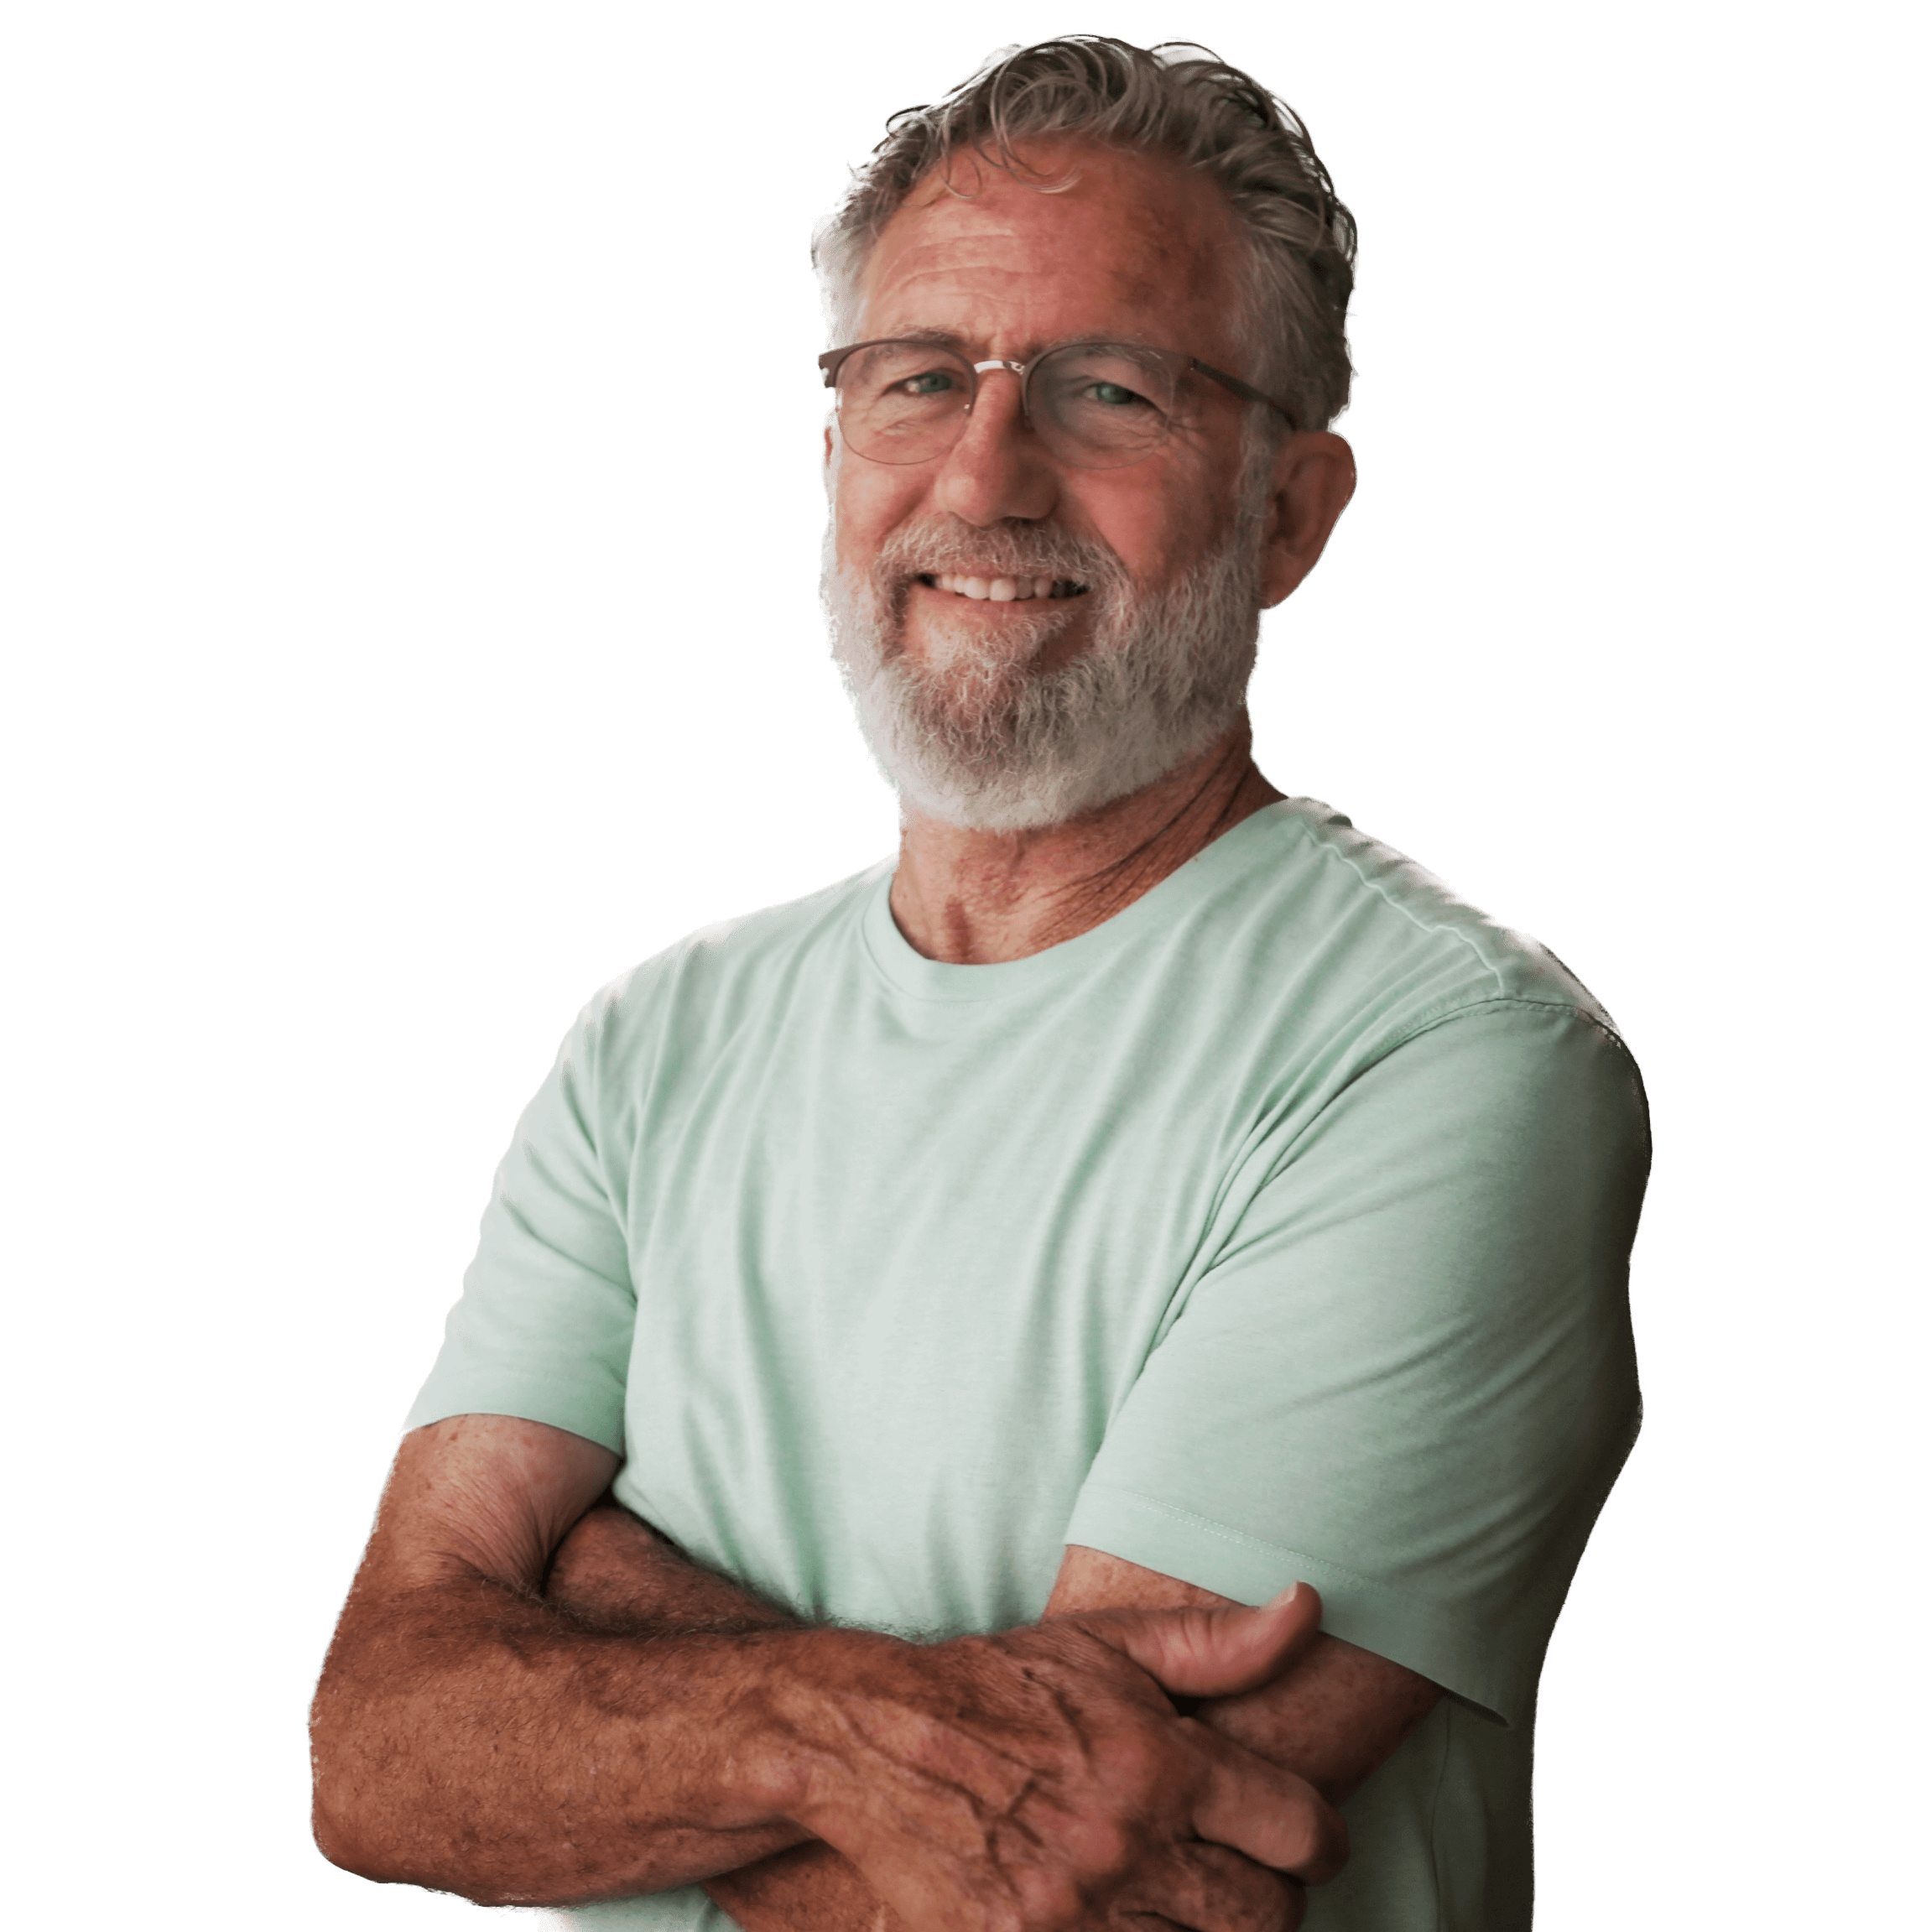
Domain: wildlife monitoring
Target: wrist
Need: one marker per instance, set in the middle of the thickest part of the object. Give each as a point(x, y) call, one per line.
point(809, 1706)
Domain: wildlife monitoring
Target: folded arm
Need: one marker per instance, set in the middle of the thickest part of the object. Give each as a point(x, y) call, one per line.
point(468, 1737)
point(648, 1726)
point(1335, 1714)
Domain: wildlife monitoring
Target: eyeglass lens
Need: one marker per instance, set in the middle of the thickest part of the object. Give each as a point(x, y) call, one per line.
point(1096, 405)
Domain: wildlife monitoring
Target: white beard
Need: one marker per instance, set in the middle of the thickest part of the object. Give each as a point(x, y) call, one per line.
point(974, 735)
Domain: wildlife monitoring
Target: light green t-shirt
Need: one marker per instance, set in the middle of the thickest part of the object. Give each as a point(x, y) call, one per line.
point(1276, 1229)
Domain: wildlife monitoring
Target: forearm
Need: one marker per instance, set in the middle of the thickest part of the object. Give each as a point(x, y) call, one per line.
point(471, 1737)
point(615, 1573)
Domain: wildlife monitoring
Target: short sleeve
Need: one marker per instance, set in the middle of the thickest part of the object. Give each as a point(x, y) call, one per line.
point(545, 1327)
point(1407, 1375)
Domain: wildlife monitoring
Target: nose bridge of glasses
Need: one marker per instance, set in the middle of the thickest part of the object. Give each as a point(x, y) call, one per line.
point(1020, 370)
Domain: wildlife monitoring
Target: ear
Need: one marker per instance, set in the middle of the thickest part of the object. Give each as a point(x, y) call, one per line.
point(1313, 479)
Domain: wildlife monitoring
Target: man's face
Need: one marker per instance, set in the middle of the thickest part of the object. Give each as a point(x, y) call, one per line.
point(1137, 249)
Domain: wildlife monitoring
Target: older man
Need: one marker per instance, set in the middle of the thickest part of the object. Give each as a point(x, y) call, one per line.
point(980, 1281)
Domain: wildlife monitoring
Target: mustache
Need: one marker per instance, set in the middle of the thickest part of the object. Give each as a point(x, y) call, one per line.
point(1004, 549)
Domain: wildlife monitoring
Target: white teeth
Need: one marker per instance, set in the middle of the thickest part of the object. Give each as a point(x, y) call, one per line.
point(1003, 590)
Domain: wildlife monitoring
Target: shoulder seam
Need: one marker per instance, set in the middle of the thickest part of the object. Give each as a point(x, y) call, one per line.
point(1487, 965)
point(1429, 1021)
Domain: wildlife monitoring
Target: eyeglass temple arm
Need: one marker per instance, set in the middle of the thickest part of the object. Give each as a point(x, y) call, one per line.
point(1244, 390)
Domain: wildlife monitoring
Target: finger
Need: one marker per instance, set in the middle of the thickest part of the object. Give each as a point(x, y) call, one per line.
point(1274, 1817)
point(1214, 1652)
point(1208, 1888)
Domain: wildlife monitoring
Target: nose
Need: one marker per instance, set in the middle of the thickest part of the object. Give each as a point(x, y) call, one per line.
point(997, 468)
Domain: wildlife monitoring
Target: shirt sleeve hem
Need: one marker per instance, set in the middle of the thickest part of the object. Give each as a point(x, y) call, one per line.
point(531, 1397)
point(1424, 1636)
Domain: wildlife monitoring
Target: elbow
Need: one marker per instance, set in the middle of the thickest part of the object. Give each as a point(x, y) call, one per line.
point(346, 1817)
point(349, 1842)
point(379, 1830)
point(347, 1800)
point(338, 1840)
point(360, 1809)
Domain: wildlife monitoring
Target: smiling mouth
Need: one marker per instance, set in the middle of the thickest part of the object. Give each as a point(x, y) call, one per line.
point(1002, 590)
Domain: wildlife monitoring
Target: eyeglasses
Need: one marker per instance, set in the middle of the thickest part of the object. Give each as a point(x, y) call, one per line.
point(1093, 405)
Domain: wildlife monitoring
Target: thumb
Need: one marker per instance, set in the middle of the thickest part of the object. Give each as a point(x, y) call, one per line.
point(1215, 1652)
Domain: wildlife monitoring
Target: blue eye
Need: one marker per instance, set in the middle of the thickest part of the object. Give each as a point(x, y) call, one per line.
point(1113, 394)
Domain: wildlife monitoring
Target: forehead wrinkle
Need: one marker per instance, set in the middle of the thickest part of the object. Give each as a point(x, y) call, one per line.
point(1142, 259)
point(1132, 238)
point(967, 303)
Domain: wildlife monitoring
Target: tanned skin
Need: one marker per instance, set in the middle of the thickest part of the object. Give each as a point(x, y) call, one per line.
point(648, 1725)
point(1145, 1751)
point(1134, 249)
point(471, 1735)
point(1332, 1715)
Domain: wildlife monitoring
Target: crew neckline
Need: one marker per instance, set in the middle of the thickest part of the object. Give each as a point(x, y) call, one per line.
point(912, 973)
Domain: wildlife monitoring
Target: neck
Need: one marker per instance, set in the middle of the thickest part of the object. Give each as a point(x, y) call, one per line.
point(975, 899)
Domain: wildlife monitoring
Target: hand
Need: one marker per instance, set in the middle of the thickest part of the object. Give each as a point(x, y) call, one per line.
point(1042, 1779)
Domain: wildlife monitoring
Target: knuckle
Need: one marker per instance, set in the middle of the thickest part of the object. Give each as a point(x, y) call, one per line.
point(1055, 1905)
point(1299, 1836)
point(1212, 1886)
point(1099, 1847)
point(1311, 1834)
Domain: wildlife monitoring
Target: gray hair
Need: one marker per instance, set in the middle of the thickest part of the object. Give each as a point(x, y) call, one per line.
point(1175, 99)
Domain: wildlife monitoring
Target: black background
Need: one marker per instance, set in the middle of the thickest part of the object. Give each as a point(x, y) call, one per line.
point(551, 678)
